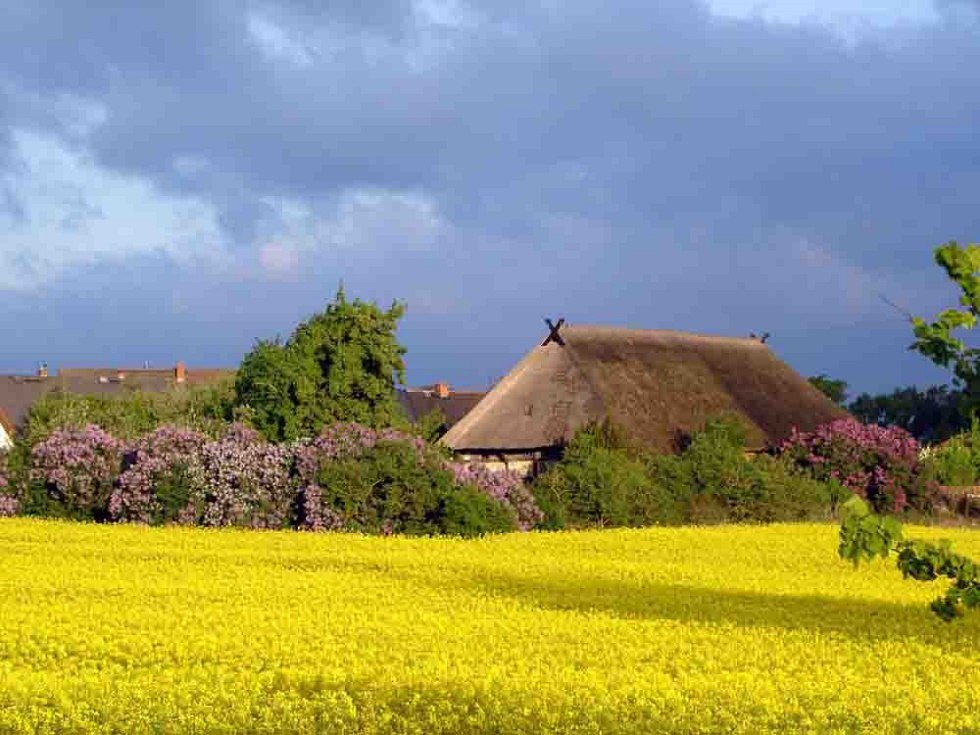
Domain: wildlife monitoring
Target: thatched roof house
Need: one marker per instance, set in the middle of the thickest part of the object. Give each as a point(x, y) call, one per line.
point(6, 431)
point(657, 385)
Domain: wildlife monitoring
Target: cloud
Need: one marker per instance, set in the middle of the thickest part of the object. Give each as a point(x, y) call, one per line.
point(63, 211)
point(726, 167)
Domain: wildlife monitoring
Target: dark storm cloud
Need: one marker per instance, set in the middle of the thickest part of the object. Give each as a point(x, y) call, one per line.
point(646, 163)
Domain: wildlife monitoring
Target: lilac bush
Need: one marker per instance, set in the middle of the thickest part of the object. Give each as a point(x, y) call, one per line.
point(506, 487)
point(351, 441)
point(247, 481)
point(8, 501)
point(163, 478)
point(349, 476)
point(337, 442)
point(345, 441)
point(880, 464)
point(78, 467)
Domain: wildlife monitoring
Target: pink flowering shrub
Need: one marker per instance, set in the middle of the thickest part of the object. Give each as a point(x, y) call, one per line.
point(247, 481)
point(8, 501)
point(880, 464)
point(163, 478)
point(506, 487)
point(327, 464)
point(78, 468)
point(349, 477)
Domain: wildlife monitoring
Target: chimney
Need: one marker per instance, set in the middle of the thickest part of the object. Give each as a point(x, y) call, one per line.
point(180, 373)
point(441, 390)
point(42, 370)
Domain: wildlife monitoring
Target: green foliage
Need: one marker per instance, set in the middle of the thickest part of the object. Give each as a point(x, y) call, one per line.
point(711, 481)
point(953, 464)
point(865, 536)
point(593, 484)
point(936, 339)
point(466, 511)
point(835, 390)
point(339, 365)
point(392, 488)
point(207, 408)
point(957, 461)
point(760, 488)
point(432, 426)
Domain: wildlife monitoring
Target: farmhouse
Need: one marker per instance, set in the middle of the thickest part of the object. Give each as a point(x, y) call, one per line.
point(452, 404)
point(659, 386)
point(19, 392)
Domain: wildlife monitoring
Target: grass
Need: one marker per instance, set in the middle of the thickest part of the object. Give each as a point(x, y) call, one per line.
point(733, 629)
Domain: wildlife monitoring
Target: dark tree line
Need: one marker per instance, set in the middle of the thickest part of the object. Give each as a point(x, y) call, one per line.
point(931, 414)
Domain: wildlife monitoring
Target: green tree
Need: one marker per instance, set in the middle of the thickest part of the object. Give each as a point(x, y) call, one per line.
point(835, 390)
point(936, 339)
point(931, 415)
point(340, 365)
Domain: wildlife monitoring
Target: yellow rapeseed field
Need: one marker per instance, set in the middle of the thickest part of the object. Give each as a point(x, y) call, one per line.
point(693, 630)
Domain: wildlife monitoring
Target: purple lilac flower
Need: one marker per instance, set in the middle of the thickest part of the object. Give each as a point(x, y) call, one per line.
point(881, 464)
point(351, 440)
point(169, 455)
point(247, 481)
point(8, 502)
point(78, 466)
point(507, 487)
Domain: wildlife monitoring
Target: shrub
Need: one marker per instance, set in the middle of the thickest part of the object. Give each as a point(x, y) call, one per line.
point(206, 408)
point(957, 461)
point(247, 481)
point(8, 501)
point(392, 487)
point(593, 485)
point(77, 469)
point(350, 476)
point(340, 447)
point(952, 463)
point(879, 464)
point(163, 478)
point(711, 481)
point(729, 485)
point(507, 488)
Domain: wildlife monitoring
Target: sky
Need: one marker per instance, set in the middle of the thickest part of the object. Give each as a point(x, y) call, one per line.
point(177, 181)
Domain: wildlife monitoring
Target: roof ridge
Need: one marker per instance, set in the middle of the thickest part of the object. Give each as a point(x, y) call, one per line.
point(692, 336)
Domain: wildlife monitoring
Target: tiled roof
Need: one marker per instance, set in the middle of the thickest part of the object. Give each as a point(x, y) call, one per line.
point(419, 402)
point(19, 392)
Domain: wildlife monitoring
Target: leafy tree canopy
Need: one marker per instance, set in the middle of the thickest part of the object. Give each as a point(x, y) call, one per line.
point(931, 415)
point(936, 339)
point(339, 365)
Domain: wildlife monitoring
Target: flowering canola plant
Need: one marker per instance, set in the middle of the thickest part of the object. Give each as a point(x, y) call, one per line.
point(735, 629)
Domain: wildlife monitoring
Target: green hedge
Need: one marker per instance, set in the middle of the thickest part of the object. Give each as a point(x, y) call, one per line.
point(604, 483)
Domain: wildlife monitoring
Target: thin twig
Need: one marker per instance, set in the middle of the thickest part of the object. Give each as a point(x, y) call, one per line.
point(904, 312)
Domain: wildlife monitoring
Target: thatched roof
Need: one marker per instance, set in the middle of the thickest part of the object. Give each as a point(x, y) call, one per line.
point(6, 424)
point(657, 385)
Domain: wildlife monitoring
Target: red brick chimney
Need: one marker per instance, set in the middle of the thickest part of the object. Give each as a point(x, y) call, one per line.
point(180, 373)
point(441, 390)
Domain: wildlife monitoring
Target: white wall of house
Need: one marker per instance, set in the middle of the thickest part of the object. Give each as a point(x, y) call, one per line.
point(6, 441)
